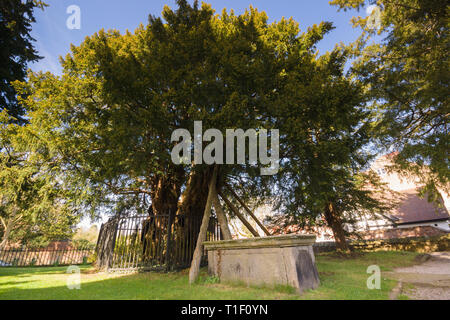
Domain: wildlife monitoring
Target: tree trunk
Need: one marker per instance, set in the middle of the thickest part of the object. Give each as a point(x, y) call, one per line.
point(196, 259)
point(166, 190)
point(166, 197)
point(334, 222)
point(193, 200)
point(192, 205)
point(8, 229)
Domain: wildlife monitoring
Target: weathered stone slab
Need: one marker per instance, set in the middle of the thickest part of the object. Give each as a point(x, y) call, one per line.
point(284, 260)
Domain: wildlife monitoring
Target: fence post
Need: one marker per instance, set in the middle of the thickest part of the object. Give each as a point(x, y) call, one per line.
point(169, 239)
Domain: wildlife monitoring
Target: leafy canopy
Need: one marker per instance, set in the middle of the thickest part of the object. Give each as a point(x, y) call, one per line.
point(407, 79)
point(16, 51)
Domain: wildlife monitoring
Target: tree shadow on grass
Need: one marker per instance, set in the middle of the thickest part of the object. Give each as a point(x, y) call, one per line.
point(37, 270)
point(142, 286)
point(15, 282)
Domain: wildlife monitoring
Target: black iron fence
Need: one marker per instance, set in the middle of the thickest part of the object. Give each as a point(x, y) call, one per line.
point(24, 257)
point(161, 242)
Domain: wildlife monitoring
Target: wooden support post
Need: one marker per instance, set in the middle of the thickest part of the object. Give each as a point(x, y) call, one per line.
point(198, 252)
point(239, 215)
point(223, 222)
point(263, 228)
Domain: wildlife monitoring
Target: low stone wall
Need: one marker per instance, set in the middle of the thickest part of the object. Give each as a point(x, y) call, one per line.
point(326, 246)
point(397, 233)
point(415, 244)
point(275, 260)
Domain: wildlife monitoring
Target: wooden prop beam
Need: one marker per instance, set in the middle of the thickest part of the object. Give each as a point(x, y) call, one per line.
point(263, 228)
point(223, 222)
point(198, 252)
point(239, 215)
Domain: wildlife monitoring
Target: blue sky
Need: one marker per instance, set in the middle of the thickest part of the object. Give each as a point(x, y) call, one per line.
point(53, 38)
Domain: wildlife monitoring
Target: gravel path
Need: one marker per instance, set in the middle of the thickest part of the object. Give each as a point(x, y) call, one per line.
point(431, 279)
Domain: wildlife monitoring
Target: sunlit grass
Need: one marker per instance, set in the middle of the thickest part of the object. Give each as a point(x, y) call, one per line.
point(341, 278)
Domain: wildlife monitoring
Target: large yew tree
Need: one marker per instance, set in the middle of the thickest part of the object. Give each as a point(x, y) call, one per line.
point(107, 120)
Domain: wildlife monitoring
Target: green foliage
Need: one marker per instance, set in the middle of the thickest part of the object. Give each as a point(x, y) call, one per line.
point(34, 204)
point(16, 51)
point(112, 135)
point(211, 280)
point(324, 148)
point(406, 79)
point(83, 244)
point(88, 234)
point(33, 243)
point(34, 207)
point(106, 123)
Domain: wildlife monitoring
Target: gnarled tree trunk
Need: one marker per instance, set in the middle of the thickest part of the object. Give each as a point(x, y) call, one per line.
point(188, 207)
point(193, 200)
point(166, 190)
point(191, 207)
point(8, 227)
point(335, 223)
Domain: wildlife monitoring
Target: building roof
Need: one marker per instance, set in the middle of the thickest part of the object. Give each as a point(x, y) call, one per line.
point(413, 209)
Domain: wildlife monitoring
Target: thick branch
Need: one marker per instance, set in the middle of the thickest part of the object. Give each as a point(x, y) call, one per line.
point(196, 259)
point(239, 215)
point(223, 222)
point(263, 228)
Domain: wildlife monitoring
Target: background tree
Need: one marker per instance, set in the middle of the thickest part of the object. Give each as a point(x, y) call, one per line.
point(34, 204)
point(406, 77)
point(90, 234)
point(16, 50)
point(325, 132)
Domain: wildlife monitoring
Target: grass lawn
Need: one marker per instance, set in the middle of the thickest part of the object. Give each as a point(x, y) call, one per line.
point(341, 278)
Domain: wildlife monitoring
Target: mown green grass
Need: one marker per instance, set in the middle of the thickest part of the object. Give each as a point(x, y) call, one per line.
point(346, 278)
point(341, 278)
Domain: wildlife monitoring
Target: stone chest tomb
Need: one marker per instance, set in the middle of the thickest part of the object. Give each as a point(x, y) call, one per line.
point(274, 260)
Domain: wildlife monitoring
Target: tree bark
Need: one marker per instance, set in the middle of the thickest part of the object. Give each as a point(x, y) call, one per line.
point(8, 229)
point(191, 205)
point(334, 222)
point(166, 190)
point(193, 200)
point(196, 259)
